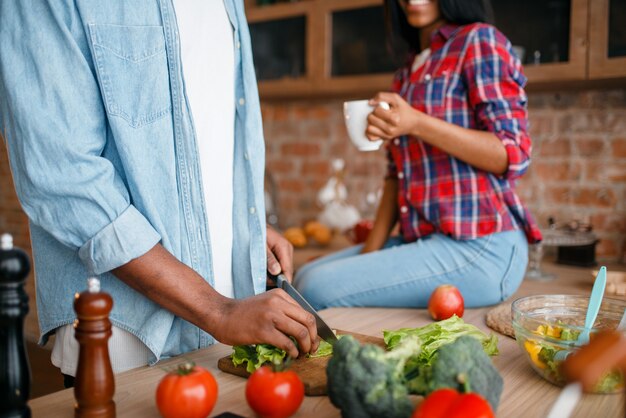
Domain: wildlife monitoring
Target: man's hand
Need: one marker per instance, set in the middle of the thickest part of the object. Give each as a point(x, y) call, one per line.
point(400, 119)
point(268, 318)
point(279, 254)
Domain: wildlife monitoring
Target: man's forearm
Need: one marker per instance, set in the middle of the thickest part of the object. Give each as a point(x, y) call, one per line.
point(271, 317)
point(159, 276)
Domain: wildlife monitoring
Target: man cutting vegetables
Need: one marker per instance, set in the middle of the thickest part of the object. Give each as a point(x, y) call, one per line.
point(135, 141)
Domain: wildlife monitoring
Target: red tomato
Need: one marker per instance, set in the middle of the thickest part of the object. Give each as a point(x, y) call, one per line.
point(470, 405)
point(436, 404)
point(448, 403)
point(274, 394)
point(188, 392)
point(444, 302)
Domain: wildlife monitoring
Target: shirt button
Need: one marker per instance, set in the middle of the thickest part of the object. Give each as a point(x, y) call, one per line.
point(396, 141)
point(401, 175)
point(242, 101)
point(238, 45)
point(253, 210)
point(245, 156)
point(404, 209)
point(427, 77)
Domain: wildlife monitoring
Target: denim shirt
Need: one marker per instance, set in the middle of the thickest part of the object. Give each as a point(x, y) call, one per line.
point(103, 152)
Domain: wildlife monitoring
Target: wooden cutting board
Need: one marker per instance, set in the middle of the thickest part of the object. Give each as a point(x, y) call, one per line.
point(312, 371)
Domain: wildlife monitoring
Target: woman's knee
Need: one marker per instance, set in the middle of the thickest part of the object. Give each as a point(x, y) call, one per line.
point(311, 284)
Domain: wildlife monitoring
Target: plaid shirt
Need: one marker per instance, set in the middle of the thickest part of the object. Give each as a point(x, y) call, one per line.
point(474, 80)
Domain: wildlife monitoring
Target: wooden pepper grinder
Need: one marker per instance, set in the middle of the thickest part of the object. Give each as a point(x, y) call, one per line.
point(14, 369)
point(94, 385)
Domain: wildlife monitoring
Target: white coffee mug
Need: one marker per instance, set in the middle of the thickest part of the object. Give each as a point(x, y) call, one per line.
point(355, 114)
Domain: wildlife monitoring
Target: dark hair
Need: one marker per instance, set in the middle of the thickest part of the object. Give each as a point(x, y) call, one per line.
point(460, 12)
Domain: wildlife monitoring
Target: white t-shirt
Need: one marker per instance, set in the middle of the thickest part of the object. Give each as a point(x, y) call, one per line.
point(208, 55)
point(208, 61)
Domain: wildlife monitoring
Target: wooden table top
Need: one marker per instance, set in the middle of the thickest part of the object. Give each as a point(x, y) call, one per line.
point(525, 393)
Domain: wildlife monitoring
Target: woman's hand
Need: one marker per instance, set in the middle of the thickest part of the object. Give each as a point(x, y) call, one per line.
point(400, 119)
point(481, 149)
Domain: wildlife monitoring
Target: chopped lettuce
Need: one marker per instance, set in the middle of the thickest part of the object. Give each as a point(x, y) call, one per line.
point(325, 349)
point(437, 334)
point(432, 337)
point(610, 382)
point(257, 355)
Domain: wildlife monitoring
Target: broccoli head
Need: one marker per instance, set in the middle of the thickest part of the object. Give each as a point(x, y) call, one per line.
point(367, 381)
point(464, 366)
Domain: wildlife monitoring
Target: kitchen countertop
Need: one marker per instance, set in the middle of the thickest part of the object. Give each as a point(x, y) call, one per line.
point(525, 393)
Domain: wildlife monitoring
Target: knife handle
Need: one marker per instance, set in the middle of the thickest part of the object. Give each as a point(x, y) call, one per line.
point(272, 281)
point(279, 279)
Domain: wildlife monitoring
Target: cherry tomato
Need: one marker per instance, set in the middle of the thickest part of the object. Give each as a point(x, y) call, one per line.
point(188, 392)
point(274, 394)
point(448, 403)
point(444, 302)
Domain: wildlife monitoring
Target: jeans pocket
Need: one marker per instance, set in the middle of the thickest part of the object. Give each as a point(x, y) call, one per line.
point(132, 69)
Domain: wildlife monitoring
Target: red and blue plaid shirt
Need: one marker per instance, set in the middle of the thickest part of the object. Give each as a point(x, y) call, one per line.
point(471, 79)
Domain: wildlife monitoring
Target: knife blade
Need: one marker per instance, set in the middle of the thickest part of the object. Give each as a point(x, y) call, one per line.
point(323, 330)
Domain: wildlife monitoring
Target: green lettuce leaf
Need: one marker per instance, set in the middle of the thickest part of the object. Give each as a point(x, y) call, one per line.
point(254, 356)
point(324, 349)
point(437, 334)
point(610, 382)
point(432, 337)
point(257, 355)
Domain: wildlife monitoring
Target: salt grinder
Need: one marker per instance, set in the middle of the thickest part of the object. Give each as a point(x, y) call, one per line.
point(14, 369)
point(94, 385)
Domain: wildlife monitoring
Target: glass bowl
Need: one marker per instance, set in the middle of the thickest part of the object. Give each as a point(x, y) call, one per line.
point(546, 324)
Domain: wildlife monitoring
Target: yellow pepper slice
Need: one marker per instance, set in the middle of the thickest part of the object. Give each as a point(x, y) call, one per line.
point(549, 330)
point(554, 331)
point(533, 350)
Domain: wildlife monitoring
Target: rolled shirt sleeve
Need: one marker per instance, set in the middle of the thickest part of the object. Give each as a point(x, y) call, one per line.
point(496, 92)
point(54, 124)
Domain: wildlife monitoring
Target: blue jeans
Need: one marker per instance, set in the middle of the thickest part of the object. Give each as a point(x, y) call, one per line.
point(486, 270)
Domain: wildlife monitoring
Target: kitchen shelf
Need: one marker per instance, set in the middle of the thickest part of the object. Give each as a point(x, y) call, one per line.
point(565, 42)
point(554, 36)
point(607, 52)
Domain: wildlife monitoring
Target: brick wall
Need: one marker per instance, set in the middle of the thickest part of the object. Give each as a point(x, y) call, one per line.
point(14, 221)
point(578, 170)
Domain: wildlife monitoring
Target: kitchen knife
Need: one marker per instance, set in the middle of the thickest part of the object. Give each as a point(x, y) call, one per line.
point(323, 330)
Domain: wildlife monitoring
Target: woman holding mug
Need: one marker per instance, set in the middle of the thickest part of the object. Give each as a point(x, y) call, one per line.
point(456, 141)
